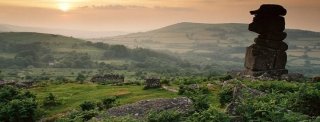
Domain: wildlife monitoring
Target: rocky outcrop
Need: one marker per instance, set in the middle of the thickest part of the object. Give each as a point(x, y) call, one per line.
point(268, 54)
point(152, 83)
point(239, 93)
point(141, 108)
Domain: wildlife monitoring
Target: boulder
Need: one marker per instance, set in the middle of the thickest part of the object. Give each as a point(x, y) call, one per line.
point(142, 108)
point(259, 58)
point(239, 93)
point(275, 45)
point(292, 77)
point(316, 79)
point(260, 75)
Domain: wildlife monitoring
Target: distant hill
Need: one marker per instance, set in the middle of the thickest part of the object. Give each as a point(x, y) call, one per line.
point(221, 44)
point(26, 49)
point(66, 32)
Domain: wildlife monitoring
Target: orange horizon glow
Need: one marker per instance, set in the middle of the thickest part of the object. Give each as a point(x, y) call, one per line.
point(142, 15)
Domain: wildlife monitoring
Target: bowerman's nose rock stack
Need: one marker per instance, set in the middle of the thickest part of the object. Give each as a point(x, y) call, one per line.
point(268, 54)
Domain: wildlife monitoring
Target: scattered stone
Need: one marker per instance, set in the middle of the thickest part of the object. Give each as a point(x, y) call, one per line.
point(235, 73)
point(21, 84)
point(316, 79)
point(193, 86)
point(142, 108)
point(24, 84)
point(293, 77)
point(238, 94)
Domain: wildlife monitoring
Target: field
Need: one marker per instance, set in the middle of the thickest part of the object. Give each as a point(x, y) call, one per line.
point(72, 95)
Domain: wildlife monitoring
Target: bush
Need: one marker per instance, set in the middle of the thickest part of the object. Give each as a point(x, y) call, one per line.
point(61, 79)
point(225, 96)
point(81, 78)
point(107, 103)
point(87, 105)
point(79, 116)
point(164, 116)
point(210, 115)
point(200, 102)
point(17, 106)
point(279, 86)
point(1, 76)
point(185, 90)
point(308, 101)
point(200, 96)
point(271, 107)
point(165, 81)
point(106, 118)
point(50, 101)
point(228, 77)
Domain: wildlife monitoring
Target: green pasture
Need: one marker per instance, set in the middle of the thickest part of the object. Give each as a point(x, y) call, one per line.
point(72, 95)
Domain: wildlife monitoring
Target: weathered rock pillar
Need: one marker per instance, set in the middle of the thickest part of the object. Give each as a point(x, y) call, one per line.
point(267, 54)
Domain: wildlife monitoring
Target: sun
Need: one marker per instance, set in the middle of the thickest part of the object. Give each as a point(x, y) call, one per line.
point(64, 6)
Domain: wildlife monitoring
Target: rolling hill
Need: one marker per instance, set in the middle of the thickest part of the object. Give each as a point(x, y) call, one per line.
point(221, 44)
point(20, 50)
point(66, 32)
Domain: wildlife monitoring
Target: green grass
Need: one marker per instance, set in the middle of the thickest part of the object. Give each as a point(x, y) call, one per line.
point(72, 95)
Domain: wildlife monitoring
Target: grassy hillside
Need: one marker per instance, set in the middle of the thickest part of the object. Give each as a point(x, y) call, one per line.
point(222, 45)
point(72, 95)
point(26, 53)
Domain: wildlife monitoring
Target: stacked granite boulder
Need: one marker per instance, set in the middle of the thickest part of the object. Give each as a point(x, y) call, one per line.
point(268, 54)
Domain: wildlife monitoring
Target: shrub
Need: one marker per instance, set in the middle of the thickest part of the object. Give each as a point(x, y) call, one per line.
point(165, 81)
point(107, 103)
point(185, 90)
point(164, 116)
point(79, 116)
point(188, 81)
point(271, 107)
point(308, 101)
point(50, 101)
point(17, 106)
point(107, 118)
point(87, 105)
point(228, 77)
point(1, 76)
point(61, 79)
point(200, 96)
point(210, 115)
point(225, 96)
point(81, 78)
point(200, 102)
point(279, 86)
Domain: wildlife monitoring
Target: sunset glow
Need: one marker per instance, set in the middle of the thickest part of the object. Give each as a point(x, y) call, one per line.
point(64, 7)
point(147, 14)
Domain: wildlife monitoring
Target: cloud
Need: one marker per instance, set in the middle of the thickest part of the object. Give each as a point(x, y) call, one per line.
point(122, 7)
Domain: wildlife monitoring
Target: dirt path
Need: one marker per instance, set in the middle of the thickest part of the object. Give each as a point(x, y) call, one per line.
point(169, 89)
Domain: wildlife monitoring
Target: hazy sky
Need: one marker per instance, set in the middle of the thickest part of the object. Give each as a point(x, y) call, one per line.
point(142, 15)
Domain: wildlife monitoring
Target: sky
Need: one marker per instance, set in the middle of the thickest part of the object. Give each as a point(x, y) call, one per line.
point(144, 15)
